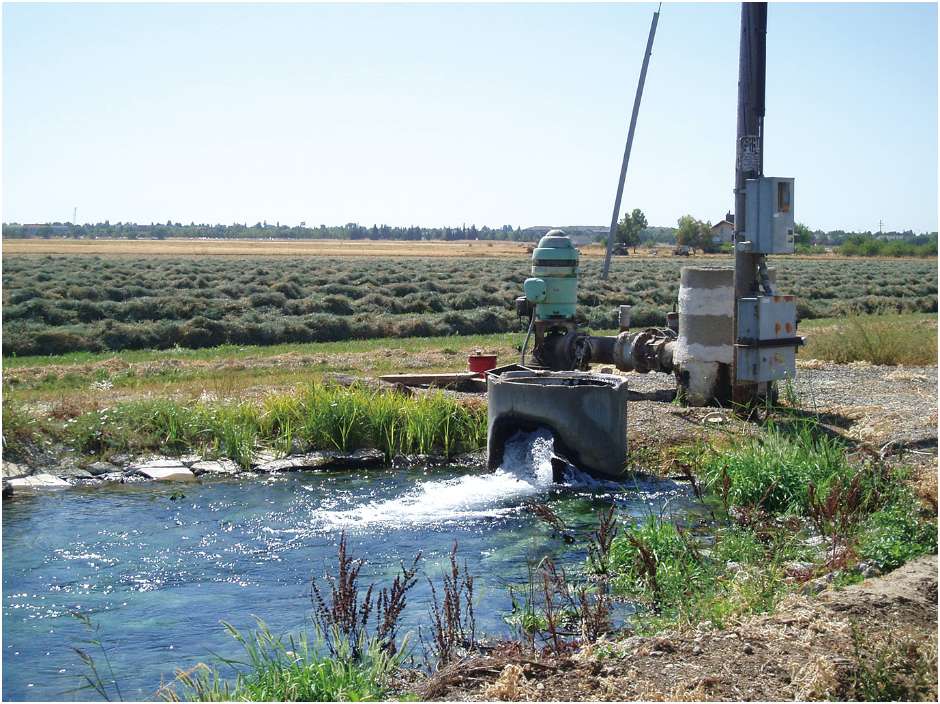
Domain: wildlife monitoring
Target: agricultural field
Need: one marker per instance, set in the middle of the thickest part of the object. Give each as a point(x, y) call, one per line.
point(55, 304)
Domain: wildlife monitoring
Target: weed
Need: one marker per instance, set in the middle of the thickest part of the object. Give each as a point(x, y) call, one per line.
point(290, 669)
point(895, 534)
point(876, 339)
point(773, 471)
point(902, 669)
point(344, 617)
point(20, 429)
point(453, 622)
point(658, 561)
point(105, 688)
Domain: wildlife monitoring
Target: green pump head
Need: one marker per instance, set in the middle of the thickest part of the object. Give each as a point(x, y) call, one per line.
point(553, 288)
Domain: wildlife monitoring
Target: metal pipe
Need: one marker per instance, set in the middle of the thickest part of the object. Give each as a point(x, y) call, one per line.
point(626, 152)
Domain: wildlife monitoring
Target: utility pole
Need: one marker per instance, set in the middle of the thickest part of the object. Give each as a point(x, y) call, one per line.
point(626, 152)
point(749, 163)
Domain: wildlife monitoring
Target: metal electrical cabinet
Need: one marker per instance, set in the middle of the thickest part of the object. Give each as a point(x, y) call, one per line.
point(767, 339)
point(768, 224)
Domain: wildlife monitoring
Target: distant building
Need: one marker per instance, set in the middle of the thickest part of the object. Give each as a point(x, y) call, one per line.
point(723, 231)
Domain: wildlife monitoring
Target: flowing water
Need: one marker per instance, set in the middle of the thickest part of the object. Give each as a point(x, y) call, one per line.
point(156, 573)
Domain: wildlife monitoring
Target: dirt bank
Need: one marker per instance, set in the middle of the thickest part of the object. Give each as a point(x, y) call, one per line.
point(829, 646)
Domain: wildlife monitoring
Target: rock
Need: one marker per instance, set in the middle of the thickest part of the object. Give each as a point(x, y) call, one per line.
point(163, 470)
point(814, 586)
point(214, 467)
point(7, 489)
point(470, 459)
point(38, 481)
point(263, 457)
point(798, 568)
point(68, 470)
point(733, 567)
point(174, 474)
point(12, 470)
point(111, 477)
point(73, 473)
point(697, 649)
point(189, 460)
point(98, 468)
point(323, 461)
point(748, 649)
point(121, 460)
point(868, 568)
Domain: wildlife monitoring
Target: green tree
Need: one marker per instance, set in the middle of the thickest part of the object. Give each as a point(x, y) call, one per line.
point(630, 227)
point(693, 233)
point(802, 234)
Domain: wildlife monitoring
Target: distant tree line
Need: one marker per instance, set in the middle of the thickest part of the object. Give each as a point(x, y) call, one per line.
point(264, 230)
point(633, 230)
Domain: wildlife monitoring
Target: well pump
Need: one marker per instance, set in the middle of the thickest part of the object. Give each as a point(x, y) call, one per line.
point(550, 302)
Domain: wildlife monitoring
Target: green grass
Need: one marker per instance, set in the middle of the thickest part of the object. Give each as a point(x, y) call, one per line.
point(20, 429)
point(897, 533)
point(320, 417)
point(679, 582)
point(291, 669)
point(764, 510)
point(773, 471)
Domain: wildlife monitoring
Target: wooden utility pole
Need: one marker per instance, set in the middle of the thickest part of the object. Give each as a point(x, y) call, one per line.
point(626, 152)
point(749, 163)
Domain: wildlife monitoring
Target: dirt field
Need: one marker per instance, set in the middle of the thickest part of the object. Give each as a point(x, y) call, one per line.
point(829, 647)
point(316, 248)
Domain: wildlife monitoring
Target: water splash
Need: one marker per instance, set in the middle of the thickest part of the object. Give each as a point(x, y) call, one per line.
point(526, 470)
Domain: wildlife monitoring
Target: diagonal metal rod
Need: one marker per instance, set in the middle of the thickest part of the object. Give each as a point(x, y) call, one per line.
point(626, 151)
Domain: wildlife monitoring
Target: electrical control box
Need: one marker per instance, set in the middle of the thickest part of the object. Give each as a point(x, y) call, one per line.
point(766, 363)
point(767, 339)
point(766, 319)
point(768, 224)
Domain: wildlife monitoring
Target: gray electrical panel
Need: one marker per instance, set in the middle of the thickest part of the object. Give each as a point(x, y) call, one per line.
point(766, 319)
point(769, 220)
point(767, 339)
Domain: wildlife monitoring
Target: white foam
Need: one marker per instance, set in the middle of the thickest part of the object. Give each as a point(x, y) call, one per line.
point(526, 470)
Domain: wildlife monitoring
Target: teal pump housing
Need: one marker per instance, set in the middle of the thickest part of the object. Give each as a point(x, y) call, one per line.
point(553, 287)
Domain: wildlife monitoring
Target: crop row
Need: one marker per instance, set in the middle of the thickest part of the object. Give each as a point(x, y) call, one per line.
point(56, 304)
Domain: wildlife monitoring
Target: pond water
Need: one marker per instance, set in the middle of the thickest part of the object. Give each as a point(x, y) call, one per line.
point(157, 573)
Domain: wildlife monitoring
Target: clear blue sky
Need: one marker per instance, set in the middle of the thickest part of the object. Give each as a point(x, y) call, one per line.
point(434, 115)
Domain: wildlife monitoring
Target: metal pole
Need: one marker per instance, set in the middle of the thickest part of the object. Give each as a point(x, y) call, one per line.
point(749, 163)
point(626, 151)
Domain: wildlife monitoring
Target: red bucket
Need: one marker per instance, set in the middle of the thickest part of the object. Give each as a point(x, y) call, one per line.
point(480, 363)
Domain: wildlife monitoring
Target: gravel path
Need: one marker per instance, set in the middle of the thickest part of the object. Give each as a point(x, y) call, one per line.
point(871, 404)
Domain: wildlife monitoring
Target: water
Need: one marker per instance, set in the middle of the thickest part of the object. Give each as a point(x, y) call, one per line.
point(156, 575)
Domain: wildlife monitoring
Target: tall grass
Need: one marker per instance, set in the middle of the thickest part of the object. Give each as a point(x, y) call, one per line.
point(291, 669)
point(319, 417)
point(884, 339)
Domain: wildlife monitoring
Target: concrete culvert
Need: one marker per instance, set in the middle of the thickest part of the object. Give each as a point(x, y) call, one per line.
point(587, 413)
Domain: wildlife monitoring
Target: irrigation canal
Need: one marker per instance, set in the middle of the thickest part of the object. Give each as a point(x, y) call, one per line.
point(156, 572)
